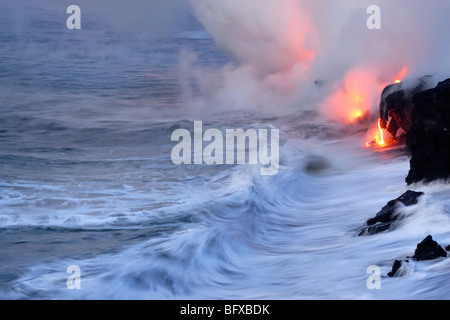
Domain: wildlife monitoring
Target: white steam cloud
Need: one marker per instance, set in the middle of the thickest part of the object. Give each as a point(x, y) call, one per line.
point(294, 54)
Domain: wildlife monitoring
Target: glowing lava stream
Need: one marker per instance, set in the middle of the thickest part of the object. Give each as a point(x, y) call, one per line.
point(376, 136)
point(381, 142)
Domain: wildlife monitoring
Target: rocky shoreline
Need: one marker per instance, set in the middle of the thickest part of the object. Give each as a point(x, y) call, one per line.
point(428, 249)
point(387, 217)
point(422, 113)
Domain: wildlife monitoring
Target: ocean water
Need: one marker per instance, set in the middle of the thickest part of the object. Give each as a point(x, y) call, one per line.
point(86, 179)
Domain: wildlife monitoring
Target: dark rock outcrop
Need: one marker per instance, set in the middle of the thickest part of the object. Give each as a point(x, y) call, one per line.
point(387, 215)
point(428, 139)
point(422, 110)
point(396, 104)
point(429, 249)
point(401, 268)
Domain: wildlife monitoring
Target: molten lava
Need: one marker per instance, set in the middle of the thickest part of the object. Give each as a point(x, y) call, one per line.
point(355, 99)
point(401, 75)
point(381, 142)
point(355, 115)
point(375, 136)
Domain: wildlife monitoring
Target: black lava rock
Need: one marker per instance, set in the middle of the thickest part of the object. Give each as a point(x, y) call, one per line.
point(400, 268)
point(397, 264)
point(384, 218)
point(422, 110)
point(428, 139)
point(429, 249)
point(396, 104)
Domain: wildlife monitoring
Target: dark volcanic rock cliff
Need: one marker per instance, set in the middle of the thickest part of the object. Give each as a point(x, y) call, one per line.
point(428, 139)
point(396, 104)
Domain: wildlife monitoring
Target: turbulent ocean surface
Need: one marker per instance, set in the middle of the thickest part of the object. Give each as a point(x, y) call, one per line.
point(86, 179)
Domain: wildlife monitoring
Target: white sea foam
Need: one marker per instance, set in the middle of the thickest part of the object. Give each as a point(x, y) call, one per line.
point(292, 235)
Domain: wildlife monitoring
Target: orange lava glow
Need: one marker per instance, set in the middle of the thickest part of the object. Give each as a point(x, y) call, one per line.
point(355, 115)
point(359, 94)
point(401, 75)
point(375, 136)
point(381, 142)
point(357, 98)
point(354, 98)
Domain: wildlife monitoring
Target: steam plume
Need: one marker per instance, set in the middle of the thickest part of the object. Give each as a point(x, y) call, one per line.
point(282, 48)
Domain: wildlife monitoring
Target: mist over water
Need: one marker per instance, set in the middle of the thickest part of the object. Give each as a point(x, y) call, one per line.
point(86, 176)
point(299, 54)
